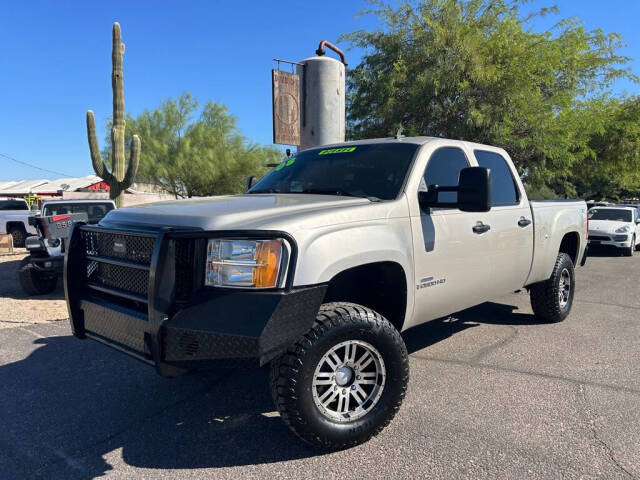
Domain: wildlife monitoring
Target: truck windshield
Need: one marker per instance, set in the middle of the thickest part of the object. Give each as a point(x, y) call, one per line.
point(95, 211)
point(610, 214)
point(375, 171)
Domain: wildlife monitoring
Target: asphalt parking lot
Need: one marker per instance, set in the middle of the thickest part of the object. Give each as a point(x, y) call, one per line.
point(492, 394)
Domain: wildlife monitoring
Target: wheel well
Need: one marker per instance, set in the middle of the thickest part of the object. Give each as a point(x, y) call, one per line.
point(381, 286)
point(570, 245)
point(20, 226)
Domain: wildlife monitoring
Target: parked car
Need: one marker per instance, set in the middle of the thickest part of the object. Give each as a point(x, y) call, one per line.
point(14, 220)
point(318, 268)
point(615, 226)
point(39, 272)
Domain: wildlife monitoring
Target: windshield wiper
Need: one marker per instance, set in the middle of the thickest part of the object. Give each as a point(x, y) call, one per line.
point(338, 192)
point(265, 190)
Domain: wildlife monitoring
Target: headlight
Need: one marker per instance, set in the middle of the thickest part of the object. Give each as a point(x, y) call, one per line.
point(243, 263)
point(624, 229)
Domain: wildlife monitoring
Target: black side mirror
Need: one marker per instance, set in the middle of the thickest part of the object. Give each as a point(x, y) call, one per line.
point(251, 181)
point(474, 192)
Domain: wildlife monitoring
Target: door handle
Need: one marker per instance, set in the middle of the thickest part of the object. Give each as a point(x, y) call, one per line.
point(481, 228)
point(523, 222)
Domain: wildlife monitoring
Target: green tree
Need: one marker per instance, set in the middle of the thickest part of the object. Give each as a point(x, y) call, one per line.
point(475, 70)
point(196, 152)
point(612, 171)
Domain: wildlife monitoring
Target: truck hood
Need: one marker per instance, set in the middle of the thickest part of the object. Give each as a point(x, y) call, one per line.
point(254, 211)
point(607, 226)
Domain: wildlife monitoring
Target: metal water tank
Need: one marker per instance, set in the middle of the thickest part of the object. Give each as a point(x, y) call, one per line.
point(322, 118)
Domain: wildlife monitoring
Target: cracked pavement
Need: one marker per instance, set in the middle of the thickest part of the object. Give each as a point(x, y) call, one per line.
point(492, 394)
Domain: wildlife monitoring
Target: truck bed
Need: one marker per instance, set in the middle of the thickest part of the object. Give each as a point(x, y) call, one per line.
point(552, 220)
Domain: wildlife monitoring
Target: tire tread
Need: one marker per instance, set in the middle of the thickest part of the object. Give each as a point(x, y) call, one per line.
point(544, 294)
point(284, 370)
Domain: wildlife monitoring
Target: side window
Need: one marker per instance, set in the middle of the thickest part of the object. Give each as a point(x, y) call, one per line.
point(503, 186)
point(444, 169)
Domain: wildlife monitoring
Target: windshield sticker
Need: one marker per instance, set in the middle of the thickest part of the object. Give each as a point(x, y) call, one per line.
point(287, 163)
point(336, 150)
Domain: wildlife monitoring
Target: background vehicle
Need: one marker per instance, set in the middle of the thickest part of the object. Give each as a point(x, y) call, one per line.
point(14, 220)
point(318, 268)
point(615, 226)
point(39, 272)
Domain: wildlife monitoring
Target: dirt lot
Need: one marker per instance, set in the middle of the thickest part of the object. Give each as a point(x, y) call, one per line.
point(16, 307)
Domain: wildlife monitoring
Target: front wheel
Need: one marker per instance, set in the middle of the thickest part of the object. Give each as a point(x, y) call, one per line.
point(551, 300)
point(628, 252)
point(35, 282)
point(344, 380)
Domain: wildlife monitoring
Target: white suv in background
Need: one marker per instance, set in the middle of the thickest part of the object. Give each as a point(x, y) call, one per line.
point(615, 226)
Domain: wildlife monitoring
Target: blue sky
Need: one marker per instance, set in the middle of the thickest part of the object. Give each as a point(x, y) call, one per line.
point(55, 62)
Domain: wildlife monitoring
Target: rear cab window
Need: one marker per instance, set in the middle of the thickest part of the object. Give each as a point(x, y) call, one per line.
point(504, 189)
point(13, 205)
point(95, 211)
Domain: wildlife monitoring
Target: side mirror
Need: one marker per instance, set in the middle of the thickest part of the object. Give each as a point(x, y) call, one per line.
point(474, 192)
point(251, 181)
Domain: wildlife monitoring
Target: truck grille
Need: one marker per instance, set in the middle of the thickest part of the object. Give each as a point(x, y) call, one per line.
point(119, 245)
point(118, 264)
point(118, 261)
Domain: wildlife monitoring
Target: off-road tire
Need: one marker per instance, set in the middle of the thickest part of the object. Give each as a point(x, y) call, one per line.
point(292, 374)
point(544, 296)
point(19, 235)
point(34, 282)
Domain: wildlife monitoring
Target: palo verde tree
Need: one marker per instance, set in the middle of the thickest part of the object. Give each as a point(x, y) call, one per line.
point(476, 70)
point(196, 152)
point(117, 178)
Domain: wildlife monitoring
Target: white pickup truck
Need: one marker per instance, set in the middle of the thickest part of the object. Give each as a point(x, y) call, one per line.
point(318, 268)
point(14, 220)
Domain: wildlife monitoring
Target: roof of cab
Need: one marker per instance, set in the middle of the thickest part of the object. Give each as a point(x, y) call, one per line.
point(420, 140)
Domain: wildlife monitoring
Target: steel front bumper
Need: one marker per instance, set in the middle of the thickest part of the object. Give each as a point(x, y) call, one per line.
point(214, 325)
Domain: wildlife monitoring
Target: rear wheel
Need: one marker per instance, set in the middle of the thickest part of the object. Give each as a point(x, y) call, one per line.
point(19, 234)
point(35, 282)
point(551, 300)
point(344, 380)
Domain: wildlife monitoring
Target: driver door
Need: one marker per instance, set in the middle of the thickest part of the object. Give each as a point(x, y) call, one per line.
point(452, 262)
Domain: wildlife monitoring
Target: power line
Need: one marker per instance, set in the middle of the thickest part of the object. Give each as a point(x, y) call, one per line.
point(34, 166)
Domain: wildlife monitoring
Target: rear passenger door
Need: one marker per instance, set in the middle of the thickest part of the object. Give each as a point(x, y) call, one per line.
point(511, 222)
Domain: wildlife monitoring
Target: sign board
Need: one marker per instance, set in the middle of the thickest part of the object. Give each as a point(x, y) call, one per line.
point(286, 107)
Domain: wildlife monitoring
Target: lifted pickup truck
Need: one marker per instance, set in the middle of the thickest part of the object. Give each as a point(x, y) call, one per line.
point(318, 268)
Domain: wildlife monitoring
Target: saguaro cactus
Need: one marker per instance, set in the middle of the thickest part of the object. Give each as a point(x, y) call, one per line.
point(117, 179)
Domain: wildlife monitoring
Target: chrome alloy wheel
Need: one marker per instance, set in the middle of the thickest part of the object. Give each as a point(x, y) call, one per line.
point(564, 288)
point(348, 381)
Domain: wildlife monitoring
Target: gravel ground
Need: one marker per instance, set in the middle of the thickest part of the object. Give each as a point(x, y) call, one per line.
point(493, 394)
point(16, 307)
